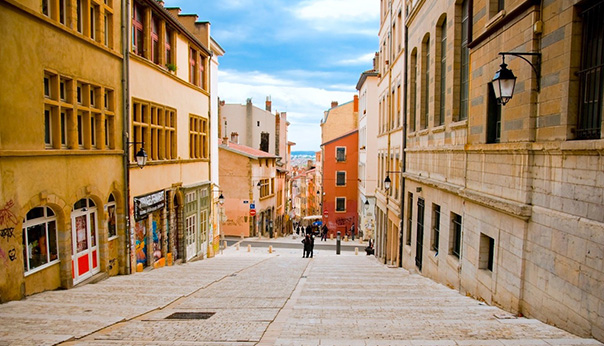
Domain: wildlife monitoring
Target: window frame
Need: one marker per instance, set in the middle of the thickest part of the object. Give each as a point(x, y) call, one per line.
point(45, 220)
point(337, 207)
point(456, 235)
point(338, 150)
point(341, 182)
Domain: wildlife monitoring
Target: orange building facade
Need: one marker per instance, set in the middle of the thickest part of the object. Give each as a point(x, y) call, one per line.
point(340, 176)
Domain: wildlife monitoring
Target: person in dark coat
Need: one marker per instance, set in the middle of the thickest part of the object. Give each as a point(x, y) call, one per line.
point(307, 246)
point(312, 245)
point(324, 233)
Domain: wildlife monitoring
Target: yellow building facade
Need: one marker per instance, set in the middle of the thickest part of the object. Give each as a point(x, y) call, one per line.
point(172, 198)
point(61, 145)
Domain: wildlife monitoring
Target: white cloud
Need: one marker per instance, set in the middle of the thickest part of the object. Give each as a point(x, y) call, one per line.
point(340, 15)
point(304, 105)
point(360, 60)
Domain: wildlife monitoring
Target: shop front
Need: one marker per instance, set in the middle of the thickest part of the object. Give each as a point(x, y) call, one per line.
point(149, 233)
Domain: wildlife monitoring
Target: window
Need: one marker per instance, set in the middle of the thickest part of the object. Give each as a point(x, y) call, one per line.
point(80, 16)
point(341, 204)
point(409, 218)
point(264, 142)
point(198, 137)
point(487, 250)
point(92, 20)
point(155, 50)
point(419, 233)
point(465, 60)
point(40, 246)
point(426, 84)
point(62, 11)
point(493, 117)
point(591, 75)
point(168, 47)
point(265, 188)
point(111, 217)
point(413, 73)
point(46, 8)
point(340, 178)
point(193, 66)
point(138, 33)
point(443, 72)
point(155, 125)
point(47, 127)
point(455, 236)
point(341, 154)
point(435, 227)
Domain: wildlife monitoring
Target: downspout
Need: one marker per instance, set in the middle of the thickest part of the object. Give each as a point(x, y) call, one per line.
point(390, 111)
point(404, 167)
point(125, 127)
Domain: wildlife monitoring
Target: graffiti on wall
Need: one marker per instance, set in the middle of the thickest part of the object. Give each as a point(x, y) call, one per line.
point(8, 221)
point(344, 221)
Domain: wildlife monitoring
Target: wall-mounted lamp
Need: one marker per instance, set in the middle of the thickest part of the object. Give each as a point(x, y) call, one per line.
point(259, 185)
point(366, 204)
point(221, 199)
point(141, 155)
point(504, 81)
point(387, 182)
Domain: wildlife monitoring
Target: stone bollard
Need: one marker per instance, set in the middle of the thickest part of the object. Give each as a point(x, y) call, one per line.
point(139, 267)
point(356, 251)
point(331, 236)
point(225, 244)
point(270, 249)
point(241, 235)
point(249, 247)
point(237, 246)
point(169, 260)
point(259, 235)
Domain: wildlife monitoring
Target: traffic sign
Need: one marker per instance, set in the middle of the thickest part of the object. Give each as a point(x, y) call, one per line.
point(252, 206)
point(325, 213)
point(252, 212)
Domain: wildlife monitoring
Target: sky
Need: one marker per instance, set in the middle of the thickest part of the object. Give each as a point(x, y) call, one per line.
point(304, 54)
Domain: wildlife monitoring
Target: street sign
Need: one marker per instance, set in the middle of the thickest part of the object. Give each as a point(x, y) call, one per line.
point(252, 206)
point(325, 213)
point(252, 212)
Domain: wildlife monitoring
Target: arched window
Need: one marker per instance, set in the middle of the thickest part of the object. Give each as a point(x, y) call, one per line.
point(40, 247)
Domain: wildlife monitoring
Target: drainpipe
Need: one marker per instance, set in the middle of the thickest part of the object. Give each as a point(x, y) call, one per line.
point(390, 111)
point(126, 126)
point(403, 169)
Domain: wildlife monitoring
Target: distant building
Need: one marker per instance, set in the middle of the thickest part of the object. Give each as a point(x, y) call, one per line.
point(249, 185)
point(368, 129)
point(340, 165)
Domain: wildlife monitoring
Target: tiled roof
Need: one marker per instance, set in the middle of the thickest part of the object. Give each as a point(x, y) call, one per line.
point(242, 149)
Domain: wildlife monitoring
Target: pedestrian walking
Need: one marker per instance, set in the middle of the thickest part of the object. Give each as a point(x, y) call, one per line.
point(307, 243)
point(352, 231)
point(312, 245)
point(324, 233)
point(298, 230)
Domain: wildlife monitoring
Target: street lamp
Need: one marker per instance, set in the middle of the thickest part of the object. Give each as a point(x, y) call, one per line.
point(387, 182)
point(221, 199)
point(141, 155)
point(366, 205)
point(504, 80)
point(259, 185)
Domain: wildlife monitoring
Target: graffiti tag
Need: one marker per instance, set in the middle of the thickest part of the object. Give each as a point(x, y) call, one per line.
point(112, 263)
point(344, 221)
point(6, 215)
point(7, 232)
point(12, 254)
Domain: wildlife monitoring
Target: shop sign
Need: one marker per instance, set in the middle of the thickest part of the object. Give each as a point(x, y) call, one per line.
point(145, 205)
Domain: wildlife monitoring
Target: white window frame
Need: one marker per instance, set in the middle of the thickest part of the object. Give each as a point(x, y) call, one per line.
point(45, 220)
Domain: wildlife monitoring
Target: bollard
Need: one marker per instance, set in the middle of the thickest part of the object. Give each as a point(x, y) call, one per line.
point(241, 235)
point(237, 246)
point(139, 267)
point(249, 247)
point(225, 244)
point(270, 249)
point(338, 243)
point(356, 251)
point(331, 236)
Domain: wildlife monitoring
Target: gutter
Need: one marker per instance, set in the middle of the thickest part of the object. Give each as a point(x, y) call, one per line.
point(125, 127)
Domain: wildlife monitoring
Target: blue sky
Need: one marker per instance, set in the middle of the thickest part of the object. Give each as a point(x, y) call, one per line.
point(302, 53)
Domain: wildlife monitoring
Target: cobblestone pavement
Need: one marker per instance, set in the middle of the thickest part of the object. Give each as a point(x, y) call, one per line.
point(270, 299)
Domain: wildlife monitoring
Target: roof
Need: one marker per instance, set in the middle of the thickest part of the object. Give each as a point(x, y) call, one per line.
point(324, 120)
point(364, 75)
point(247, 151)
point(342, 136)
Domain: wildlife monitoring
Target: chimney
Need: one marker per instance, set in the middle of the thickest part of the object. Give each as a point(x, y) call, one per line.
point(161, 3)
point(235, 137)
point(268, 103)
point(334, 104)
point(356, 103)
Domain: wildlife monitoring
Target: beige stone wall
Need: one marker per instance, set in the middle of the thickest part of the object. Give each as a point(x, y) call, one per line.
point(537, 194)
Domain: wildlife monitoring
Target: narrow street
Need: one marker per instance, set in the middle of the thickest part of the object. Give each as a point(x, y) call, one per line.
point(262, 298)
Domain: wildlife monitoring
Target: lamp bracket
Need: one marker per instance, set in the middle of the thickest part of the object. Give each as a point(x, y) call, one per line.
point(536, 69)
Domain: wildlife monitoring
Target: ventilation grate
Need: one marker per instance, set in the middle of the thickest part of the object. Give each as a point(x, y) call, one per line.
point(190, 316)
